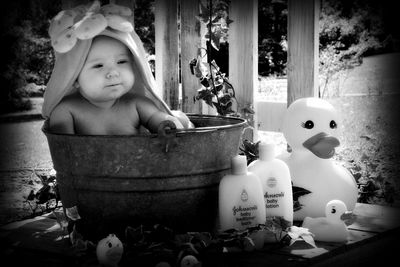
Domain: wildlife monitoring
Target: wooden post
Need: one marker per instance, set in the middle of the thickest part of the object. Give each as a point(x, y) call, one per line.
point(243, 56)
point(167, 52)
point(303, 45)
point(190, 43)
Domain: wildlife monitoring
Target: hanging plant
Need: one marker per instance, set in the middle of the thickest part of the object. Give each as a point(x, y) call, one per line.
point(216, 90)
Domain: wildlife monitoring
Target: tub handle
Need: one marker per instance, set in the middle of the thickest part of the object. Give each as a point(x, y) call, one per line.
point(167, 133)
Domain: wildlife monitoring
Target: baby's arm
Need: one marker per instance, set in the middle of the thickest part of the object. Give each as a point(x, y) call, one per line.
point(151, 117)
point(61, 120)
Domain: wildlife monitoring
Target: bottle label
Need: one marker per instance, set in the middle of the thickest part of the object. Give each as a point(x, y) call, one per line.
point(244, 214)
point(272, 201)
point(271, 182)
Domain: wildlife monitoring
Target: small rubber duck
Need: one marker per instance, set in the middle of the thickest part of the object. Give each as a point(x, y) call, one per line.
point(109, 251)
point(311, 128)
point(330, 228)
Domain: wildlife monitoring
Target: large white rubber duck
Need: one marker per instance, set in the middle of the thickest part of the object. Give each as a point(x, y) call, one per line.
point(330, 228)
point(310, 127)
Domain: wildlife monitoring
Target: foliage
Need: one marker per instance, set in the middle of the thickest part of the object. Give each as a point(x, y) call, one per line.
point(250, 150)
point(272, 35)
point(299, 233)
point(47, 197)
point(346, 35)
point(12, 77)
point(151, 245)
point(144, 24)
point(38, 65)
point(26, 53)
point(216, 89)
point(215, 17)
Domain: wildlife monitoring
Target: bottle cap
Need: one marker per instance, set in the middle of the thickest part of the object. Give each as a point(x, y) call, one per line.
point(239, 165)
point(266, 151)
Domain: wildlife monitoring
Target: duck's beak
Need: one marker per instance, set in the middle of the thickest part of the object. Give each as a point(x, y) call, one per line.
point(114, 254)
point(348, 217)
point(322, 145)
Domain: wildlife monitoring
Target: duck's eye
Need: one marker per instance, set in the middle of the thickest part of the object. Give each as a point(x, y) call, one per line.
point(333, 210)
point(109, 245)
point(333, 124)
point(308, 124)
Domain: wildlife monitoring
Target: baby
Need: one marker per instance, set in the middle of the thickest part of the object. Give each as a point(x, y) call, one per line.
point(110, 90)
point(103, 104)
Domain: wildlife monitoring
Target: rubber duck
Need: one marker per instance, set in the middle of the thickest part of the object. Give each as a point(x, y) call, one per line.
point(109, 251)
point(311, 128)
point(330, 228)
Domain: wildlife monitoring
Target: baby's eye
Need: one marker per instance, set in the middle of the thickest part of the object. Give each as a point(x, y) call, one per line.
point(123, 61)
point(98, 66)
point(308, 124)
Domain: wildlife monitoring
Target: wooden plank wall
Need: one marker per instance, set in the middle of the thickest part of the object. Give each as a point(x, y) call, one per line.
point(167, 51)
point(303, 45)
point(190, 43)
point(243, 56)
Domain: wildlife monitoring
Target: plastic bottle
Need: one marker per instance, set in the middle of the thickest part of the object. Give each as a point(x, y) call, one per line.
point(241, 201)
point(276, 182)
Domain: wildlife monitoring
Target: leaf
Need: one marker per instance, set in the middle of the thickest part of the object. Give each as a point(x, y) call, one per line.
point(300, 233)
point(62, 220)
point(276, 224)
point(216, 39)
point(248, 110)
point(309, 240)
point(134, 235)
point(204, 14)
point(200, 70)
point(206, 95)
point(192, 65)
point(31, 195)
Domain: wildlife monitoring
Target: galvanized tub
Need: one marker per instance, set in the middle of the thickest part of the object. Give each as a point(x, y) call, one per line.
point(169, 179)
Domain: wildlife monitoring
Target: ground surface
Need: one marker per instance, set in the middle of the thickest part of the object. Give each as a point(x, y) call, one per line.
point(370, 144)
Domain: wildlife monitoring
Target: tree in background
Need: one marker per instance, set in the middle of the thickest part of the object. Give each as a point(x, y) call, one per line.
point(26, 54)
point(144, 23)
point(272, 37)
point(348, 32)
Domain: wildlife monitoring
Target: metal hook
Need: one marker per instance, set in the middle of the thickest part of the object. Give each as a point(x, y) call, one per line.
point(167, 133)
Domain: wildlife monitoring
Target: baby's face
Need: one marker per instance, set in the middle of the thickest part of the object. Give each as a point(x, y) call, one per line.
point(107, 73)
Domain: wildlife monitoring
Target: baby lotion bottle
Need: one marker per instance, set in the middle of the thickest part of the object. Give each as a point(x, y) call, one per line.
point(241, 201)
point(276, 183)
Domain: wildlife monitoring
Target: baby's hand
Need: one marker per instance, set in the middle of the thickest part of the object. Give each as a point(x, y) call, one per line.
point(183, 118)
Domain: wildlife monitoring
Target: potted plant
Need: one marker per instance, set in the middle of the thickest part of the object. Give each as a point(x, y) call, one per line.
point(216, 90)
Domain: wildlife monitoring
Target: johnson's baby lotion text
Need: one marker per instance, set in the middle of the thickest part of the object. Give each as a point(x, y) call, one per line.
point(241, 201)
point(276, 183)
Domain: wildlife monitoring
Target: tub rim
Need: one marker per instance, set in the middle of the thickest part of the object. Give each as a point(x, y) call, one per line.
point(241, 122)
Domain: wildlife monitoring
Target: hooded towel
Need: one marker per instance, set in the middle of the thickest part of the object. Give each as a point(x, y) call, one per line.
point(68, 64)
